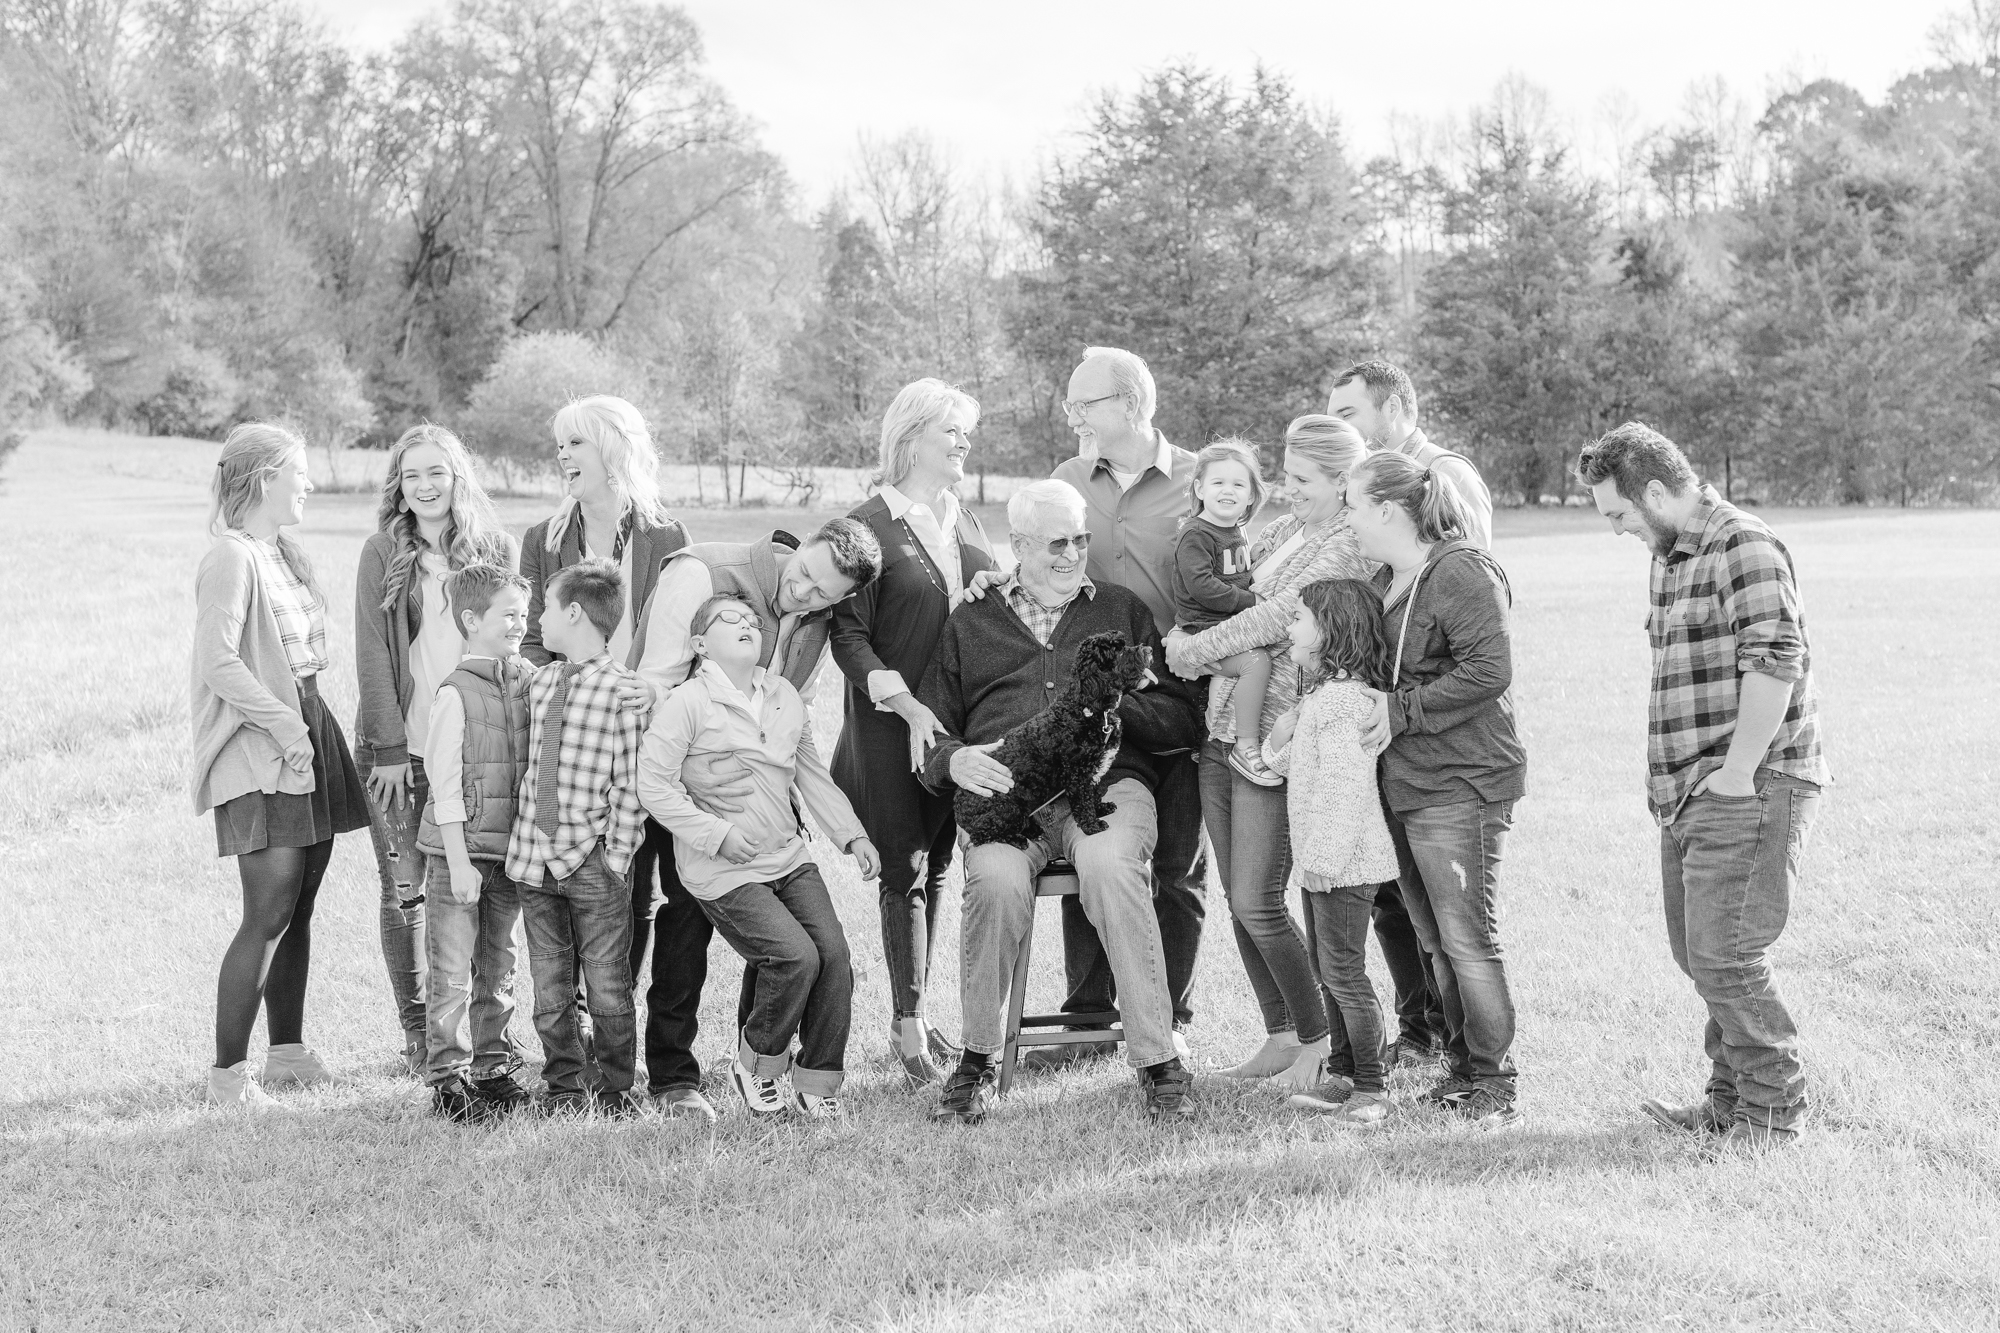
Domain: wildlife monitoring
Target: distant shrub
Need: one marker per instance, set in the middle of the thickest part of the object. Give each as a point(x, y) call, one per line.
point(197, 396)
point(507, 418)
point(37, 373)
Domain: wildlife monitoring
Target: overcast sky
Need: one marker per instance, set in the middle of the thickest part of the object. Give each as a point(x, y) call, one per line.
point(1000, 83)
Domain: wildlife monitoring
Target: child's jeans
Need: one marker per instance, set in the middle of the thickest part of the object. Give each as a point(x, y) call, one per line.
point(805, 984)
point(1337, 934)
point(470, 982)
point(586, 918)
point(400, 868)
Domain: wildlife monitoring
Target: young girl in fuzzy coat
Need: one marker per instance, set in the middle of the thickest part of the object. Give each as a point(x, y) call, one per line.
point(1341, 849)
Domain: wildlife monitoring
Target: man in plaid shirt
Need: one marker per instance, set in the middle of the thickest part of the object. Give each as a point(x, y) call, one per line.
point(1734, 768)
point(577, 824)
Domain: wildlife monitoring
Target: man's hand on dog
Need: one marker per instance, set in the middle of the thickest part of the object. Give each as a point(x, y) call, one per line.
point(975, 769)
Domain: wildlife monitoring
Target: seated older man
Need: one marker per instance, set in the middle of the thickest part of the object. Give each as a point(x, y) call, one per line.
point(1000, 661)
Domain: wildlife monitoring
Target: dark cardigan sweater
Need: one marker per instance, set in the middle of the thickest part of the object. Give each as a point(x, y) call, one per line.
point(1451, 715)
point(382, 652)
point(990, 674)
point(893, 624)
point(650, 548)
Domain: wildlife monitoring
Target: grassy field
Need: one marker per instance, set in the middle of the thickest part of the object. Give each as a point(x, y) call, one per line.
point(123, 1204)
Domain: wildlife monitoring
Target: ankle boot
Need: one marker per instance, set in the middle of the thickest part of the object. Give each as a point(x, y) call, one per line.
point(1273, 1057)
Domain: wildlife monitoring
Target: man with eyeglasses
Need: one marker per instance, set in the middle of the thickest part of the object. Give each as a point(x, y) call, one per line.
point(1001, 660)
point(792, 586)
point(1135, 485)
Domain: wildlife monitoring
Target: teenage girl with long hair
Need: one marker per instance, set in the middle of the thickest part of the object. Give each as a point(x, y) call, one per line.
point(268, 757)
point(433, 519)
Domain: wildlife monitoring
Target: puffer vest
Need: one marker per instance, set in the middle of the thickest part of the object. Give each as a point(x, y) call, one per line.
point(495, 695)
point(749, 570)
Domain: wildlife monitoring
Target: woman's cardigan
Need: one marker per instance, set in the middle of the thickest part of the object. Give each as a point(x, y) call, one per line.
point(242, 699)
point(650, 548)
point(1328, 552)
point(382, 650)
point(892, 625)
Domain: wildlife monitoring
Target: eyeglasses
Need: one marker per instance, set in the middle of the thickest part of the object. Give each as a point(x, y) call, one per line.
point(730, 615)
point(1057, 545)
point(1074, 408)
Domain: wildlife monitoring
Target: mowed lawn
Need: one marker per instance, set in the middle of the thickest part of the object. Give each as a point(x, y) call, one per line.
point(125, 1204)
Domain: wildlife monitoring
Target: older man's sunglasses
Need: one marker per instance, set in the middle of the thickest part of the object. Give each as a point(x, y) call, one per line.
point(1081, 542)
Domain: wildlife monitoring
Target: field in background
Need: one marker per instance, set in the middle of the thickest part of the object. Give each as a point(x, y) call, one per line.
point(124, 1204)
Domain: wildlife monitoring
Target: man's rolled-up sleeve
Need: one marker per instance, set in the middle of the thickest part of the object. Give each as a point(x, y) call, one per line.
point(1761, 603)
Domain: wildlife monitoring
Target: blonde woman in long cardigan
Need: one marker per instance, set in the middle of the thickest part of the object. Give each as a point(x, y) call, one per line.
point(268, 757)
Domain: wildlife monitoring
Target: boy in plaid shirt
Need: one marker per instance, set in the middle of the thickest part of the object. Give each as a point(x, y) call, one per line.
point(1734, 768)
point(578, 822)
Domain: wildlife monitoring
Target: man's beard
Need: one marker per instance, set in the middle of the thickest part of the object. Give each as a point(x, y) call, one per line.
point(1660, 534)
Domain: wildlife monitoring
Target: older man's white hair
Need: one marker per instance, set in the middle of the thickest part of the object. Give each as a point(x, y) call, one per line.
point(1129, 376)
point(1037, 506)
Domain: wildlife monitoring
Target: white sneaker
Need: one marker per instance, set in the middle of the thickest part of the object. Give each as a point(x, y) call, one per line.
point(813, 1107)
point(762, 1096)
point(296, 1063)
point(1181, 1046)
point(235, 1089)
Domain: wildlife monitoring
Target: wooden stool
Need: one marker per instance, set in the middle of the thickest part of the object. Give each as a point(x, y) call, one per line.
point(1057, 880)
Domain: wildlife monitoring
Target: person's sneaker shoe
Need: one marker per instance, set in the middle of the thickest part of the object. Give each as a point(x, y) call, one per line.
point(1253, 769)
point(812, 1106)
point(236, 1089)
point(911, 1046)
point(684, 1104)
point(1329, 1094)
point(1694, 1118)
point(1360, 1110)
point(967, 1091)
point(1406, 1054)
point(454, 1100)
point(296, 1064)
point(762, 1096)
point(558, 1104)
point(1446, 1090)
point(499, 1093)
point(1486, 1108)
point(1169, 1091)
point(1747, 1136)
point(625, 1105)
point(941, 1048)
point(1044, 1058)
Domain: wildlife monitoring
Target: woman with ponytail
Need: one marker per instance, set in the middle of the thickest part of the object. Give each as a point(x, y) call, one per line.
point(433, 519)
point(267, 757)
point(1454, 765)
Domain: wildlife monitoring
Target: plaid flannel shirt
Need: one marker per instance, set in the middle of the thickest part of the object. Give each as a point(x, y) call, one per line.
point(1724, 602)
point(1040, 620)
point(597, 777)
point(300, 615)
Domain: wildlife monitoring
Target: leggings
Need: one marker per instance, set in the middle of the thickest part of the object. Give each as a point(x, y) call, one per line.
point(266, 962)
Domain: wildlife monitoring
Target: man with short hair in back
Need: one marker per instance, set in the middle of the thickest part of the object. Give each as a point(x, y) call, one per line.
point(1378, 399)
point(1734, 768)
point(1135, 486)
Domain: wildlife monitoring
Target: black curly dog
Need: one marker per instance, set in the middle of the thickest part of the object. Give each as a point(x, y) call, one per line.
point(1064, 750)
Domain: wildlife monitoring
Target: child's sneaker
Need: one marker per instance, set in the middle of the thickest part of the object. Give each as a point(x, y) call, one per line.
point(1363, 1110)
point(453, 1100)
point(1250, 765)
point(813, 1107)
point(236, 1089)
point(761, 1095)
point(295, 1063)
point(500, 1093)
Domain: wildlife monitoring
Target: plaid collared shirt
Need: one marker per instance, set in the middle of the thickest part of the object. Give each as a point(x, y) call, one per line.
point(301, 616)
point(1724, 601)
point(1040, 620)
point(597, 777)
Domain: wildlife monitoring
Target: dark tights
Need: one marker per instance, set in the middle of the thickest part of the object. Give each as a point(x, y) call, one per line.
point(267, 961)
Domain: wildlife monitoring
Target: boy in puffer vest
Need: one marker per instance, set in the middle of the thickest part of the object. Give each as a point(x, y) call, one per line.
point(477, 756)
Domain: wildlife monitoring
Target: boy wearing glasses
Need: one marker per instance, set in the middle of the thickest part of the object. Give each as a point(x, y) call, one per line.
point(751, 871)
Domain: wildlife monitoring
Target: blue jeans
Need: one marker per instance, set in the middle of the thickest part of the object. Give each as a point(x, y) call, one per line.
point(586, 918)
point(1337, 930)
point(1449, 857)
point(1249, 829)
point(1180, 885)
point(1728, 866)
point(400, 867)
point(790, 935)
point(469, 990)
point(1115, 882)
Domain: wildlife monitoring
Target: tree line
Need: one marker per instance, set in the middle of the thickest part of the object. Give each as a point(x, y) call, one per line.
point(212, 209)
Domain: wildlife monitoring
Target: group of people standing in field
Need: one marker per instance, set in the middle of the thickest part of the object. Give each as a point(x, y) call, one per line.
point(603, 734)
